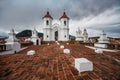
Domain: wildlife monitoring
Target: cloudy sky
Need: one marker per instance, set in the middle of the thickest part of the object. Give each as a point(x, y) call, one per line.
point(95, 15)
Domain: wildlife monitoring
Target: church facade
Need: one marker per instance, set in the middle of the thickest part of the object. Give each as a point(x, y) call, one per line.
point(56, 32)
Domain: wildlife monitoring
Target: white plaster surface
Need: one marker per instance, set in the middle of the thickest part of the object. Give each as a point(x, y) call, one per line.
point(62, 46)
point(98, 50)
point(50, 29)
point(67, 51)
point(10, 51)
point(15, 46)
point(83, 64)
point(31, 52)
point(103, 38)
point(108, 50)
point(99, 45)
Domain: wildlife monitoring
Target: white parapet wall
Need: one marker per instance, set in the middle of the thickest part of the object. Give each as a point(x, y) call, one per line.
point(98, 50)
point(67, 51)
point(100, 45)
point(9, 47)
point(83, 64)
point(14, 46)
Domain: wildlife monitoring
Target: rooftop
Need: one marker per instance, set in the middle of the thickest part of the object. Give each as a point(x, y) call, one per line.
point(50, 63)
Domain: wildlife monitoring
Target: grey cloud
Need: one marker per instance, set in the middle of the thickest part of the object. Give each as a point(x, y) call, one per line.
point(22, 14)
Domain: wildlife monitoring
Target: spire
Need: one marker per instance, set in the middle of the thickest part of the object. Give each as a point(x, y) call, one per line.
point(47, 15)
point(64, 15)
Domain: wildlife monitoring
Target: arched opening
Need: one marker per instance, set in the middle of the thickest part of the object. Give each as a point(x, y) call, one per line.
point(47, 22)
point(56, 35)
point(64, 23)
point(37, 42)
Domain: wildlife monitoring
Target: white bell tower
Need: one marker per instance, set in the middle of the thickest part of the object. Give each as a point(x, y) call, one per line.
point(47, 27)
point(64, 31)
point(85, 35)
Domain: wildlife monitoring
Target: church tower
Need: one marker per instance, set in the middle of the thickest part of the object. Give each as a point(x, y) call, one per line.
point(35, 39)
point(79, 37)
point(85, 35)
point(64, 24)
point(47, 27)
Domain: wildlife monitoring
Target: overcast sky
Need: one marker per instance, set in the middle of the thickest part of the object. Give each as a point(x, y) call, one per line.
point(94, 15)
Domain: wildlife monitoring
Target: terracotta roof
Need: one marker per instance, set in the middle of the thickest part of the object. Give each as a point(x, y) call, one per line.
point(64, 16)
point(50, 63)
point(47, 15)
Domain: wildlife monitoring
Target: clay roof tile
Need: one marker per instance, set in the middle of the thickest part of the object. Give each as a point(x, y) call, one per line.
point(47, 15)
point(64, 16)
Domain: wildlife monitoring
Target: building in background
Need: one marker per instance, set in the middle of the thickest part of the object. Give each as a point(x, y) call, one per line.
point(34, 38)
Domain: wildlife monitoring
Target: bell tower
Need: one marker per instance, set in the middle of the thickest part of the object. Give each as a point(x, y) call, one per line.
point(64, 23)
point(85, 35)
point(47, 27)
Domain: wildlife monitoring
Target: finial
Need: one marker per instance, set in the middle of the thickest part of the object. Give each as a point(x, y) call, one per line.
point(47, 9)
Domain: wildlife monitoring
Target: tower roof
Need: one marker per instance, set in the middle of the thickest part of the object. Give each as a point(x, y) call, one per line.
point(64, 16)
point(47, 15)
